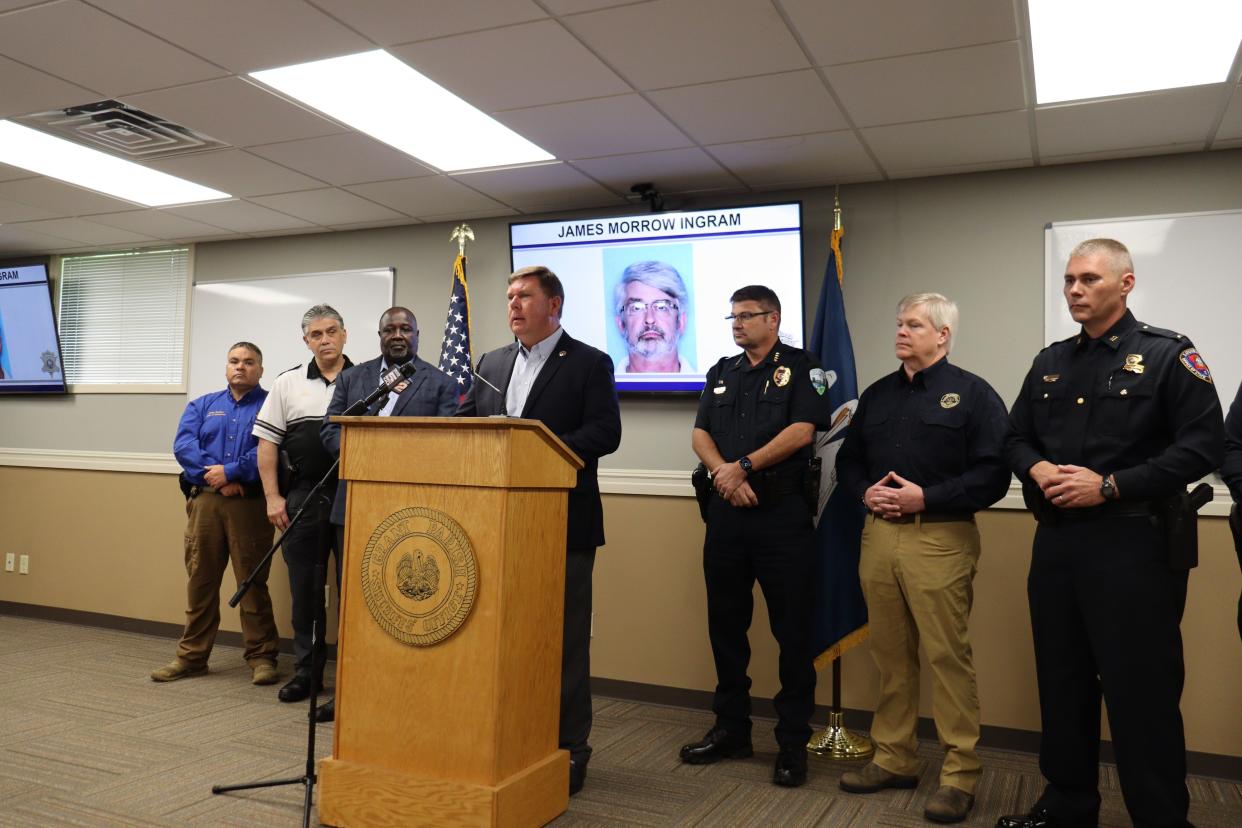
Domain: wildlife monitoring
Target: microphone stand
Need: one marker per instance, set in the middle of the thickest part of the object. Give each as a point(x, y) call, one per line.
point(308, 777)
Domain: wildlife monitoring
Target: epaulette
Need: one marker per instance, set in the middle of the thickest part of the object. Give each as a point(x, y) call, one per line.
point(287, 370)
point(1165, 332)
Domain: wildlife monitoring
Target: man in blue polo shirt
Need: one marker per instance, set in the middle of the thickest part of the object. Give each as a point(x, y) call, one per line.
point(227, 520)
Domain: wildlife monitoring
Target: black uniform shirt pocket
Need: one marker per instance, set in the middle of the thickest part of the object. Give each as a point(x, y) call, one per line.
point(723, 403)
point(771, 413)
point(945, 429)
point(1047, 401)
point(1123, 402)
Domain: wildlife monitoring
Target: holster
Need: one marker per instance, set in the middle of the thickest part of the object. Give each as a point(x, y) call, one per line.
point(1180, 515)
point(286, 473)
point(702, 483)
point(187, 488)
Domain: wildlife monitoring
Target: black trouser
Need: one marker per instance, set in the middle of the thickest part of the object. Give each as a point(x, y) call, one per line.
point(774, 545)
point(575, 725)
point(1106, 611)
point(307, 546)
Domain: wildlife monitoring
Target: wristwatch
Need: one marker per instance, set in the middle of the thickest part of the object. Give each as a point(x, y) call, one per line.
point(746, 465)
point(1107, 490)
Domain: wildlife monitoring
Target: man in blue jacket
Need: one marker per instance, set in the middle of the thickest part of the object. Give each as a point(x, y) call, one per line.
point(228, 520)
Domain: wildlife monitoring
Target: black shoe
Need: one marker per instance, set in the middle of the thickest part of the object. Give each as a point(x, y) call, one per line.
point(326, 712)
point(1039, 817)
point(298, 689)
point(716, 745)
point(790, 770)
point(577, 776)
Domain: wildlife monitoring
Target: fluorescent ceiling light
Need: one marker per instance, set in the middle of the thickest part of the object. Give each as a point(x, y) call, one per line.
point(55, 157)
point(1098, 48)
point(377, 94)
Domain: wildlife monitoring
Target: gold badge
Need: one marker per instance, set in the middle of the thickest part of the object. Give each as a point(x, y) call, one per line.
point(949, 400)
point(1134, 363)
point(1051, 377)
point(781, 376)
point(719, 389)
point(419, 576)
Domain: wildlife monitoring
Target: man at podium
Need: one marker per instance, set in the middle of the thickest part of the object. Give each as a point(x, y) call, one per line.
point(549, 376)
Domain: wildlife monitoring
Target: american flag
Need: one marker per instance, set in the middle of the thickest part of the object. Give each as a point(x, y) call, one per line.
point(455, 358)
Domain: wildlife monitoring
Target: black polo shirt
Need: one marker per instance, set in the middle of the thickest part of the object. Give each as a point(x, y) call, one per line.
point(745, 406)
point(943, 429)
point(1137, 402)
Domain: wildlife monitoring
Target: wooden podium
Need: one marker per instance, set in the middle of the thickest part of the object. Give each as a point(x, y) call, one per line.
point(454, 530)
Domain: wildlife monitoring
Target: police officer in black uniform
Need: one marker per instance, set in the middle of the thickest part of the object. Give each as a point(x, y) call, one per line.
point(756, 422)
point(1109, 428)
point(1231, 471)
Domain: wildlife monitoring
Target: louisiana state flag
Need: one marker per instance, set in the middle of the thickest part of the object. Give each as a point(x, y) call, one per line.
point(840, 612)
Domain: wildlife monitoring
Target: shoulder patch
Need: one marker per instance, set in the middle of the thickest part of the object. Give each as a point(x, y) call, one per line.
point(1194, 363)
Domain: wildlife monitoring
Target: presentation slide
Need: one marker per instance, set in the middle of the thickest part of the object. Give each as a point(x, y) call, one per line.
point(653, 290)
point(29, 351)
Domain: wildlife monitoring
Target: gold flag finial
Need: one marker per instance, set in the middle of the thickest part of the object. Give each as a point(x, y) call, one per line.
point(836, 208)
point(462, 234)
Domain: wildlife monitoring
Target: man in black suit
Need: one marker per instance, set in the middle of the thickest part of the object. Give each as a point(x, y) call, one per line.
point(1231, 471)
point(428, 393)
point(547, 375)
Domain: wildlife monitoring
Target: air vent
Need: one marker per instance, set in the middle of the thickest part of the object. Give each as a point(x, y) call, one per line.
point(121, 130)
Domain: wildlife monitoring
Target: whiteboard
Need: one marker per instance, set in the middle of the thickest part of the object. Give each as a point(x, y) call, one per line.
point(1187, 277)
point(268, 312)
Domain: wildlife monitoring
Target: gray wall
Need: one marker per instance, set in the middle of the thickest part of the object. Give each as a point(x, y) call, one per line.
point(977, 238)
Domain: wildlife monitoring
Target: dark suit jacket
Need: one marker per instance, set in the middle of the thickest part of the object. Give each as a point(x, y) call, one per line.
point(576, 398)
point(430, 394)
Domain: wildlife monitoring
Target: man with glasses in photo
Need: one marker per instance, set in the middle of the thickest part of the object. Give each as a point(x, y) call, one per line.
point(652, 305)
point(756, 422)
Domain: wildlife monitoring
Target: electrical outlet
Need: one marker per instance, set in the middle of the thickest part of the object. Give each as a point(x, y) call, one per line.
point(9, 560)
point(23, 565)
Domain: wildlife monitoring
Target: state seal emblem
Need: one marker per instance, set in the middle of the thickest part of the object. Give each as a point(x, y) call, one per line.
point(419, 576)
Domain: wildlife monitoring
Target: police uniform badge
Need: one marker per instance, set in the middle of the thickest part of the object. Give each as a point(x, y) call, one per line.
point(1051, 377)
point(719, 389)
point(781, 376)
point(1194, 364)
point(949, 400)
point(1134, 364)
point(819, 380)
point(50, 367)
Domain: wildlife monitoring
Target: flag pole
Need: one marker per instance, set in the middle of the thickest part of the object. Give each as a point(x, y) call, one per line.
point(836, 741)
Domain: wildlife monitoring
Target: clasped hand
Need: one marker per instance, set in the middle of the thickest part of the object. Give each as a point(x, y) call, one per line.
point(730, 481)
point(889, 501)
point(1068, 486)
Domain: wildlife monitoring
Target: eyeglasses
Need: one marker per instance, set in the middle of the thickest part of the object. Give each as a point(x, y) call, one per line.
point(664, 307)
point(746, 316)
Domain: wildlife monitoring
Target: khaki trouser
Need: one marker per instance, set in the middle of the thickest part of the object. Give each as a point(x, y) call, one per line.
point(223, 529)
point(917, 578)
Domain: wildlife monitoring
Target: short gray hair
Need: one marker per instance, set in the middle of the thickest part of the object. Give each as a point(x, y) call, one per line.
point(1118, 254)
point(659, 275)
point(940, 310)
point(320, 312)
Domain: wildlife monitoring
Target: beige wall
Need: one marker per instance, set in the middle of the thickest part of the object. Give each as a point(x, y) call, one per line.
point(111, 543)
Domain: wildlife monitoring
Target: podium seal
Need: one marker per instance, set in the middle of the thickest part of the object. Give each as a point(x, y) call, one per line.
point(419, 576)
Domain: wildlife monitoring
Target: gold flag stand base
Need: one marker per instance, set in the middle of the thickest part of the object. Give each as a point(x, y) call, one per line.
point(836, 742)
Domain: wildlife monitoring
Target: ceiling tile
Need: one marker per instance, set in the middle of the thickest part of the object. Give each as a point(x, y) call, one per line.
point(63, 199)
point(159, 224)
point(467, 215)
point(8, 173)
point(234, 111)
point(575, 6)
point(9, 5)
point(1173, 116)
point(974, 139)
point(671, 171)
point(420, 197)
point(791, 103)
point(401, 21)
point(680, 42)
point(16, 241)
point(240, 216)
point(404, 221)
point(1231, 143)
point(481, 68)
point(965, 81)
point(88, 47)
point(1231, 124)
point(243, 35)
point(235, 172)
point(604, 126)
point(28, 90)
point(822, 158)
point(957, 169)
point(348, 158)
point(328, 206)
point(547, 186)
point(1129, 152)
point(82, 231)
point(11, 211)
point(831, 31)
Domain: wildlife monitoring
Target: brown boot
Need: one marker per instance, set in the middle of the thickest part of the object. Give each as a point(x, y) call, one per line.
point(949, 804)
point(874, 778)
point(177, 669)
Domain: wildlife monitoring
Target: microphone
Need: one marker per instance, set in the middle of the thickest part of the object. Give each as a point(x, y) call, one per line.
point(479, 377)
point(389, 381)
